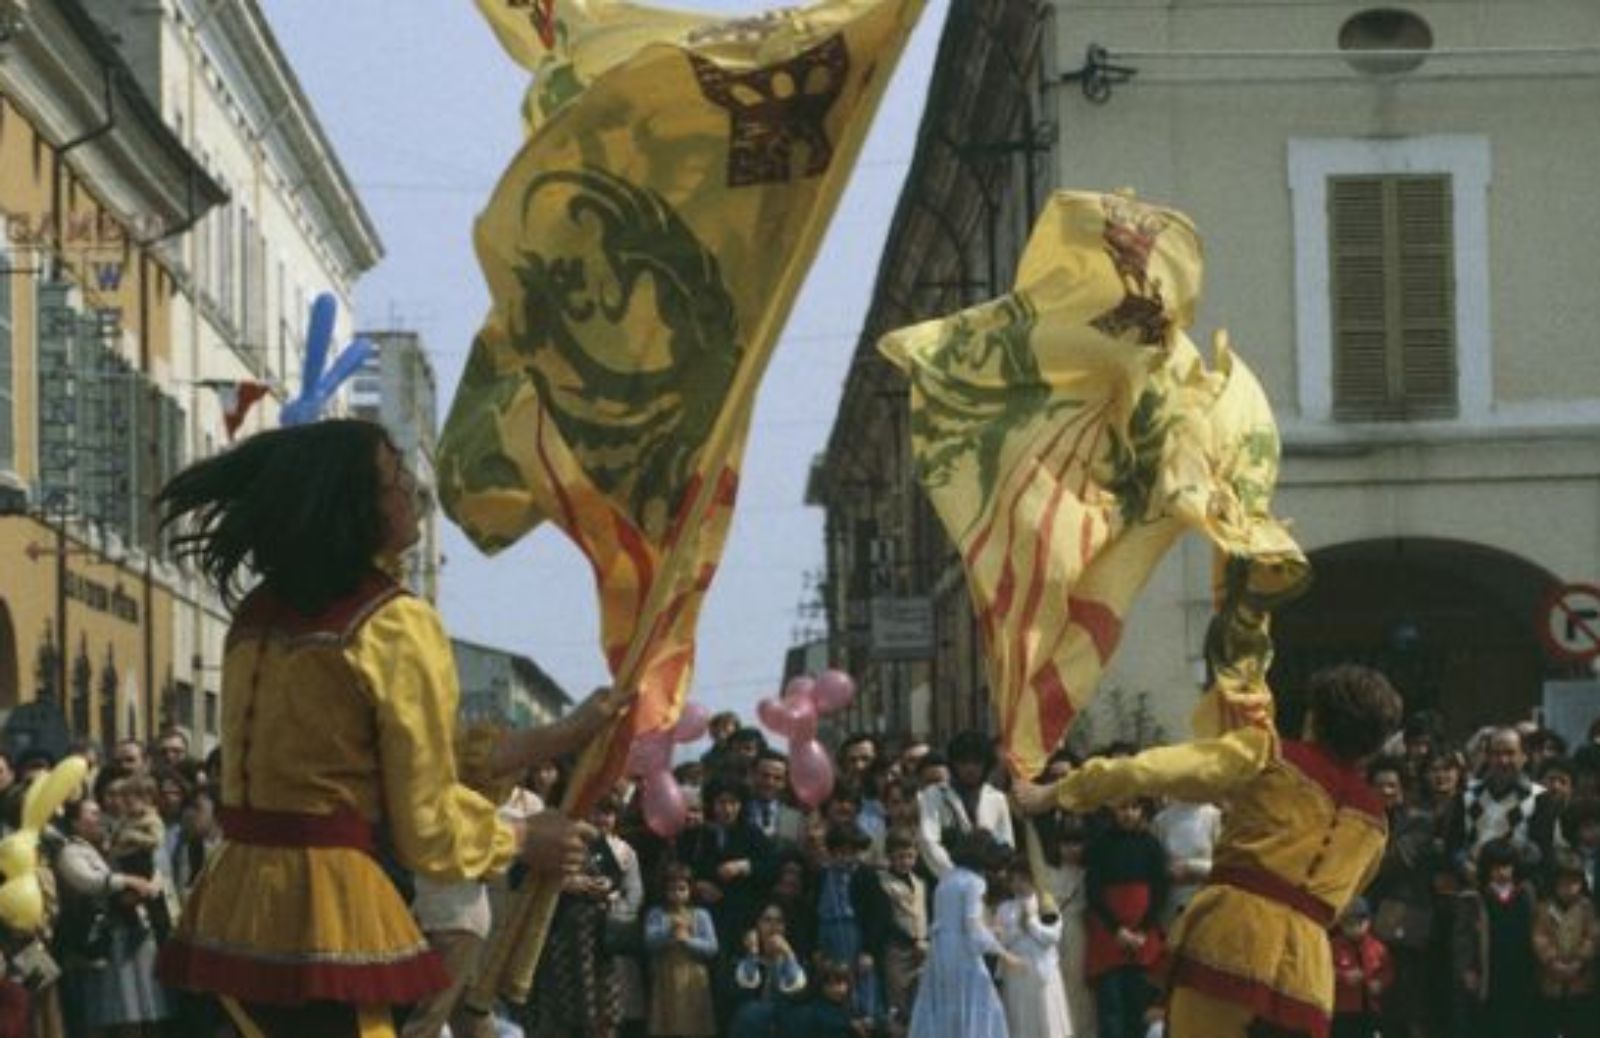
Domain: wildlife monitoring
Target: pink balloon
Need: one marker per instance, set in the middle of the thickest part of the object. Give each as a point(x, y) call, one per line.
point(650, 754)
point(774, 716)
point(834, 690)
point(664, 808)
point(798, 688)
point(801, 719)
point(810, 772)
point(692, 723)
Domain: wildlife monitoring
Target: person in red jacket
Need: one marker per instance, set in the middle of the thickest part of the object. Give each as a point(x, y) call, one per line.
point(1362, 972)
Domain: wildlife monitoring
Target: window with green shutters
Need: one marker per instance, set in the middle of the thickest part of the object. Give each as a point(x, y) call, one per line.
point(1392, 285)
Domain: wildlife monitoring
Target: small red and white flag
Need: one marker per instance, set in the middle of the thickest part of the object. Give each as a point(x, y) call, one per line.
point(237, 398)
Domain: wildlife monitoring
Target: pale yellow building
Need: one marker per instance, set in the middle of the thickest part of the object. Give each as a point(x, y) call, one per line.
point(95, 192)
point(1401, 227)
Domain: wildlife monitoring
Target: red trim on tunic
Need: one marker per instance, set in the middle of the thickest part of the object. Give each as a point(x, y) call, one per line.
point(1343, 782)
point(248, 979)
point(1265, 1001)
point(264, 612)
point(342, 828)
point(1275, 888)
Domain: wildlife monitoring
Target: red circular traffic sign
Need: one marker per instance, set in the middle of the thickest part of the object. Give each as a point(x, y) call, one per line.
point(1570, 622)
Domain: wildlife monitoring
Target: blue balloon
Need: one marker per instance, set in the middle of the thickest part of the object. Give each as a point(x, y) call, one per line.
point(317, 386)
point(319, 336)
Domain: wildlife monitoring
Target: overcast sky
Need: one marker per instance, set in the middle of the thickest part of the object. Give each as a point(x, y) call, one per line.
point(422, 106)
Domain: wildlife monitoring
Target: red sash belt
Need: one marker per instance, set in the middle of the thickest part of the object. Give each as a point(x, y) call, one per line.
point(1275, 888)
point(342, 828)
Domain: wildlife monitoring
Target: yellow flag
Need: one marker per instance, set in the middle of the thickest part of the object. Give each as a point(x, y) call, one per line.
point(1068, 433)
point(642, 253)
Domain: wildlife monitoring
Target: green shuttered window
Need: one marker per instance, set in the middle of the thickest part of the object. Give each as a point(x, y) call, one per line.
point(1392, 280)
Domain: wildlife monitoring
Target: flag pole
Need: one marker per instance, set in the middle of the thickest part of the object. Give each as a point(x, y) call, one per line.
point(509, 968)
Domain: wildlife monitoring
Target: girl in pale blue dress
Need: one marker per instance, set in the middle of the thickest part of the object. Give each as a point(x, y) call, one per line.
point(956, 997)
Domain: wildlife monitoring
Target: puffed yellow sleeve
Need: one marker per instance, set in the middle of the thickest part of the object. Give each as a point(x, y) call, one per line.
point(441, 829)
point(1203, 770)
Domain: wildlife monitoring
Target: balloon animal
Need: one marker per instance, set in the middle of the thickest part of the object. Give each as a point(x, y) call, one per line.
point(650, 760)
point(795, 717)
point(21, 898)
point(317, 386)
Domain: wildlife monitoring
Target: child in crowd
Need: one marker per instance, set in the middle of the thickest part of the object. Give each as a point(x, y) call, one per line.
point(830, 1012)
point(1362, 972)
point(682, 945)
point(1555, 774)
point(793, 892)
point(1581, 823)
point(956, 996)
point(1565, 937)
point(1034, 995)
point(768, 978)
point(894, 921)
point(1494, 947)
point(137, 835)
point(839, 934)
point(731, 862)
point(1125, 879)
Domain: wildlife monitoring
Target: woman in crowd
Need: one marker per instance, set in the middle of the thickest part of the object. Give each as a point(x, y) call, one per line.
point(338, 739)
point(108, 948)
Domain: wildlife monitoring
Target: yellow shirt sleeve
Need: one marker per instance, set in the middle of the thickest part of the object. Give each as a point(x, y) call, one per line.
point(1204, 770)
point(441, 829)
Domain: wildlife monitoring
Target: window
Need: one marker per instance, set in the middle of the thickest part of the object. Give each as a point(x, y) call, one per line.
point(1391, 283)
point(1391, 278)
point(8, 443)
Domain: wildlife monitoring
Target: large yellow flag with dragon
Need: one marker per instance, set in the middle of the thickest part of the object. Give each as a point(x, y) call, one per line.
point(642, 253)
point(1068, 433)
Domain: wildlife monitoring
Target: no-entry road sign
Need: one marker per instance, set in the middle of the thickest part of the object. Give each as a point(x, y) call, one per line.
point(1570, 625)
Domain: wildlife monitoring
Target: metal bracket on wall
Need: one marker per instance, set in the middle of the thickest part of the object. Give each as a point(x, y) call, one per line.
point(1099, 74)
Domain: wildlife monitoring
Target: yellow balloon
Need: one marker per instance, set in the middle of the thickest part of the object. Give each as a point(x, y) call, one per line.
point(22, 903)
point(21, 898)
point(19, 853)
point(46, 795)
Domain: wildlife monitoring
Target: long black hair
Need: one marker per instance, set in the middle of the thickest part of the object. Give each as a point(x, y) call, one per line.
point(298, 506)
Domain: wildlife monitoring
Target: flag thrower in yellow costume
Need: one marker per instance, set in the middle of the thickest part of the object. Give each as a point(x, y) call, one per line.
point(1068, 433)
point(642, 253)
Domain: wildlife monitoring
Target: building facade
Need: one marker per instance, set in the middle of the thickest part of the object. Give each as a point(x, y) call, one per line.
point(505, 689)
point(396, 388)
point(1394, 240)
point(97, 195)
point(293, 228)
point(898, 613)
point(172, 206)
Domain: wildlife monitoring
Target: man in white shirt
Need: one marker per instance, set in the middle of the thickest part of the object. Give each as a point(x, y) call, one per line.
point(967, 802)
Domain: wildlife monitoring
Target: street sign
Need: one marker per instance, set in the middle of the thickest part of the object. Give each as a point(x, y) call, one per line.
point(902, 629)
point(1570, 623)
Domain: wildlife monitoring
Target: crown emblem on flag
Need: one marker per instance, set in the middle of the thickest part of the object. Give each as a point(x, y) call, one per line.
point(775, 108)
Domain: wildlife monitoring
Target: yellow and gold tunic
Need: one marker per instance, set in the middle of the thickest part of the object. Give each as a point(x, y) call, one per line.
point(338, 737)
point(1302, 834)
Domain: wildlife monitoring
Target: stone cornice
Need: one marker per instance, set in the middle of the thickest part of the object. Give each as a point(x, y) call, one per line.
point(56, 70)
point(291, 119)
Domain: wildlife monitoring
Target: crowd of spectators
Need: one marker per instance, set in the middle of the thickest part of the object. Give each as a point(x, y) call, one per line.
point(899, 906)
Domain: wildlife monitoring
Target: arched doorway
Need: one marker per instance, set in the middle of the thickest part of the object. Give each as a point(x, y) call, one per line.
point(1453, 624)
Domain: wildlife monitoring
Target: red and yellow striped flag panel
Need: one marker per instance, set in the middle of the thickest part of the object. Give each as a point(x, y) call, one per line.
point(1068, 433)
